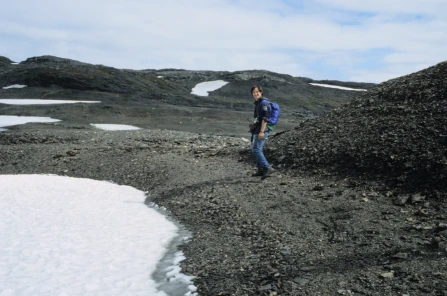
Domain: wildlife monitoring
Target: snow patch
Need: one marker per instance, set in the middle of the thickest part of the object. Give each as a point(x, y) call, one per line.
point(14, 86)
point(9, 120)
point(115, 127)
point(339, 87)
point(40, 102)
point(203, 89)
point(72, 236)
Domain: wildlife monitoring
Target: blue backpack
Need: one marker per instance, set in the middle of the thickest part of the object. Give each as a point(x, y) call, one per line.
point(274, 115)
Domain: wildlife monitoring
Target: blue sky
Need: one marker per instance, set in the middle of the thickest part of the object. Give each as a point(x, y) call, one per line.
point(349, 40)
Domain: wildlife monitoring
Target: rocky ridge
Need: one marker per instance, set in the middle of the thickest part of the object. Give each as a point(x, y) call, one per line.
point(395, 133)
point(172, 86)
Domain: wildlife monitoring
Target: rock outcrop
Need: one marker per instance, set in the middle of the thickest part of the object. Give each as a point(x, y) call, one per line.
point(48, 71)
point(396, 133)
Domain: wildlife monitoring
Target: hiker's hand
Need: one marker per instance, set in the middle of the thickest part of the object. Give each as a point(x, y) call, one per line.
point(261, 136)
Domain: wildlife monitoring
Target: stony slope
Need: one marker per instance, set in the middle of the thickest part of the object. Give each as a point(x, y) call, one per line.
point(396, 132)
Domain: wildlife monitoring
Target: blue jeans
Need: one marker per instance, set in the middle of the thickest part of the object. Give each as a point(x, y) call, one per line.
point(256, 149)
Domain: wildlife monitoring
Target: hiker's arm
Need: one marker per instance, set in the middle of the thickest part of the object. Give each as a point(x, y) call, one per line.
point(261, 132)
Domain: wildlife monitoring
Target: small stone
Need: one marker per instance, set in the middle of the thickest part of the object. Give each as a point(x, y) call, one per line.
point(400, 256)
point(387, 275)
point(301, 281)
point(281, 158)
point(266, 287)
point(72, 152)
point(417, 198)
point(319, 187)
point(401, 200)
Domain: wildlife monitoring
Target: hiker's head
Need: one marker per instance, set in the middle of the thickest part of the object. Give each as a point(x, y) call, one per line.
point(256, 92)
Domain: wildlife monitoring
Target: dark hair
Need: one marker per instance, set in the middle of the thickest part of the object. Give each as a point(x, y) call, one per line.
point(256, 87)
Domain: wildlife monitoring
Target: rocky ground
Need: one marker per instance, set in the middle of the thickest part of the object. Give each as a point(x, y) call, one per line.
point(356, 206)
point(287, 235)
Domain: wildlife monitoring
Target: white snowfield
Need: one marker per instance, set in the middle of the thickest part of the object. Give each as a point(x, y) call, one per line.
point(114, 127)
point(41, 102)
point(14, 86)
point(202, 89)
point(9, 120)
point(71, 236)
point(339, 87)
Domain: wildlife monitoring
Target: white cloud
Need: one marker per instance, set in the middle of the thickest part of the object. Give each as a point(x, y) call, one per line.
point(234, 35)
point(390, 7)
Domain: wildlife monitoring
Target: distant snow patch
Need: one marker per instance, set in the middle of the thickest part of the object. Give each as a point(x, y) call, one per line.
point(8, 120)
point(202, 89)
point(40, 102)
point(339, 87)
point(160, 76)
point(14, 86)
point(14, 63)
point(115, 127)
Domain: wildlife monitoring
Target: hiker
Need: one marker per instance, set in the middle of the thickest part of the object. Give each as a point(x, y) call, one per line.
point(260, 131)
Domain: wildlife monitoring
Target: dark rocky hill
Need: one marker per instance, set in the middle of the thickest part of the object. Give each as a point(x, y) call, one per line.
point(396, 132)
point(5, 62)
point(172, 85)
point(161, 98)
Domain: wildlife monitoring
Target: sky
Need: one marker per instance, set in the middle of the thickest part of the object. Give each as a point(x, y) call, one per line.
point(71, 236)
point(348, 40)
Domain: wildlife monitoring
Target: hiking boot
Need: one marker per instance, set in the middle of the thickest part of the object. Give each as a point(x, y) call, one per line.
point(258, 173)
point(266, 172)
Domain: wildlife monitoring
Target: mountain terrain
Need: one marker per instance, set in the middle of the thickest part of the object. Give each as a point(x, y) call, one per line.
point(147, 98)
point(356, 205)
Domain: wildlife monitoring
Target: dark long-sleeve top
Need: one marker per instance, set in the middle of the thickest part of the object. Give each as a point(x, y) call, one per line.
point(262, 112)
